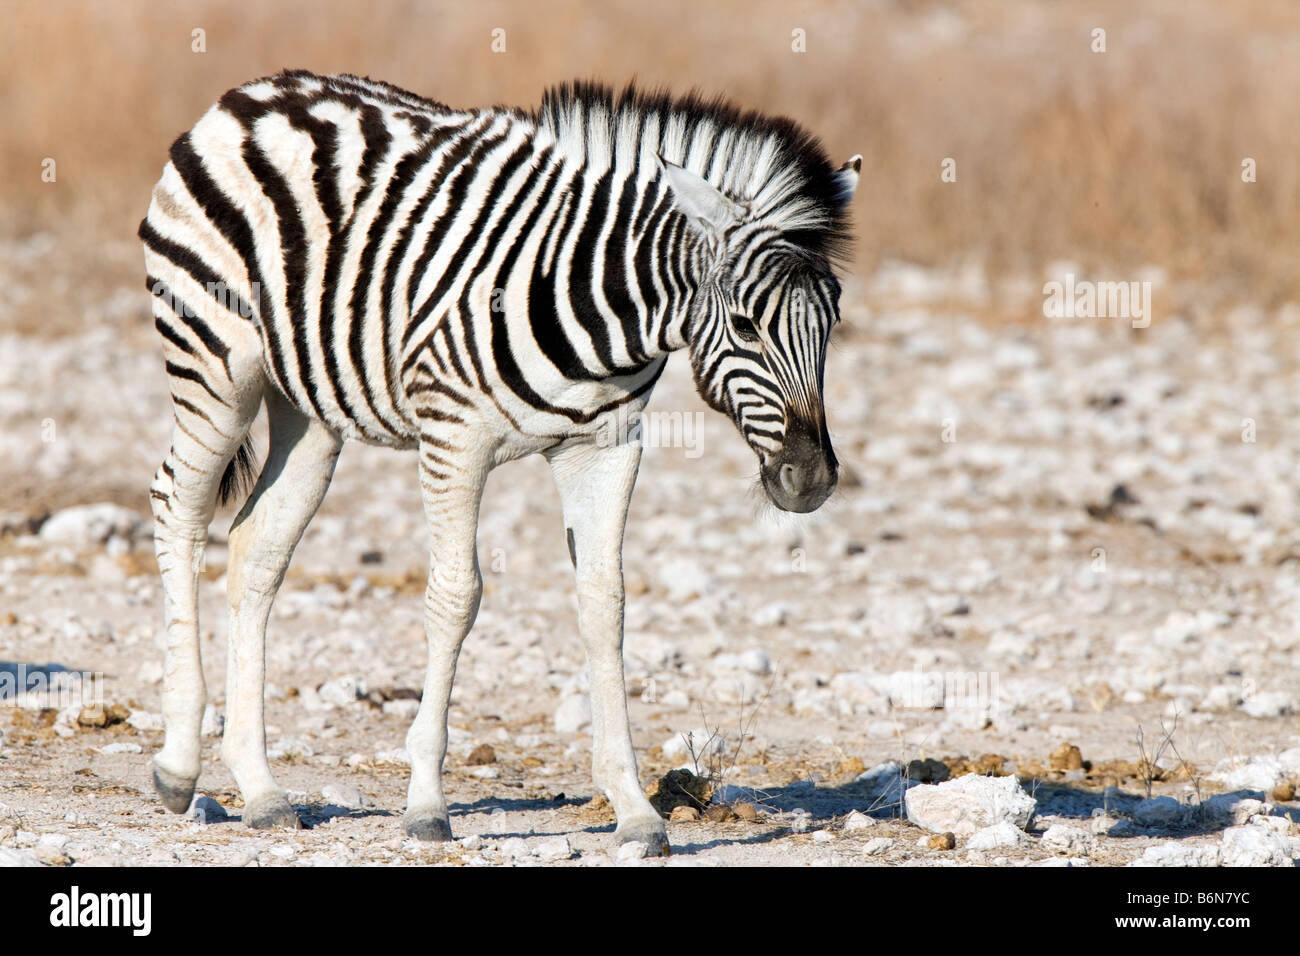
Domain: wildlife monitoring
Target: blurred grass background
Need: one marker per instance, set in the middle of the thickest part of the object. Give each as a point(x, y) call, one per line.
point(1116, 161)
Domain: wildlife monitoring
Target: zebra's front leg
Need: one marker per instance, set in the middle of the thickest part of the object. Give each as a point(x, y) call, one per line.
point(451, 492)
point(595, 486)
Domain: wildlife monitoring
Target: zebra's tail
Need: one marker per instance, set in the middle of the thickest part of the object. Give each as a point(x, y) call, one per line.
point(238, 478)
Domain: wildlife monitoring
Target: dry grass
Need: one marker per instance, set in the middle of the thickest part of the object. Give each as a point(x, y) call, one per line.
point(1115, 161)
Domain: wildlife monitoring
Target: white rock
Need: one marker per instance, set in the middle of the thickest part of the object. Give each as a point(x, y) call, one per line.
point(998, 835)
point(969, 803)
point(10, 857)
point(214, 724)
point(756, 661)
point(89, 525)
point(342, 690)
point(771, 615)
point(344, 795)
point(674, 700)
point(1254, 846)
point(556, 849)
point(1067, 839)
point(144, 720)
point(1257, 773)
point(823, 836)
point(878, 846)
point(122, 747)
point(635, 850)
point(573, 715)
point(1177, 854)
point(856, 821)
point(684, 578)
point(405, 708)
point(1290, 761)
point(1159, 812)
point(1267, 704)
point(1232, 809)
point(515, 847)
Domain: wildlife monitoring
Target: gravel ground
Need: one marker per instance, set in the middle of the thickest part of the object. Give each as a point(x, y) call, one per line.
point(1064, 551)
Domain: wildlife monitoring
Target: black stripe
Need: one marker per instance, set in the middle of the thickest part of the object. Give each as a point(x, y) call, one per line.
point(581, 297)
point(457, 185)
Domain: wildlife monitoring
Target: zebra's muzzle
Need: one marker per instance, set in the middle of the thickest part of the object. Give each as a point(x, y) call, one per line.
point(803, 474)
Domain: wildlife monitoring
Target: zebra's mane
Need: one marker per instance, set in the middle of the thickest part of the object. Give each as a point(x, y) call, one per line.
point(768, 162)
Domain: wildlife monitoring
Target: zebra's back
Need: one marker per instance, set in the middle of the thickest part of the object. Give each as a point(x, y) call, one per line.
point(316, 206)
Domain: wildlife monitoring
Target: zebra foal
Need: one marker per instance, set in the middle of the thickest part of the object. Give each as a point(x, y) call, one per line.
point(478, 285)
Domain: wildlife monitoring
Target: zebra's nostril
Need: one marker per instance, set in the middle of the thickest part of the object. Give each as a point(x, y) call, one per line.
point(791, 480)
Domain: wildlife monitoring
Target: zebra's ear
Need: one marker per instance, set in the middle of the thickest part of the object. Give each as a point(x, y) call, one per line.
point(707, 206)
point(846, 180)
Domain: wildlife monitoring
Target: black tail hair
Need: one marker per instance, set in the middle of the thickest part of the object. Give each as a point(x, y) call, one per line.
point(238, 478)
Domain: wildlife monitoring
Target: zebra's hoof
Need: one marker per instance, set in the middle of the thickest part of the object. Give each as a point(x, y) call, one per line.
point(426, 825)
point(649, 832)
point(270, 812)
point(177, 793)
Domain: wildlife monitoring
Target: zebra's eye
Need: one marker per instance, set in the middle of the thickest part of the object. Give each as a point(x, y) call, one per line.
point(744, 328)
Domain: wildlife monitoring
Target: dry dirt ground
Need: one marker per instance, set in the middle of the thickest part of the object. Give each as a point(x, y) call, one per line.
point(1049, 534)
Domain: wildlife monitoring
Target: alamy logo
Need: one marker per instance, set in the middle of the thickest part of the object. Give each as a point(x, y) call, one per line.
point(75, 908)
point(1098, 300)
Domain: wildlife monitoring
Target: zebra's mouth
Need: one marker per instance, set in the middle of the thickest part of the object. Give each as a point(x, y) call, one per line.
point(799, 489)
point(803, 475)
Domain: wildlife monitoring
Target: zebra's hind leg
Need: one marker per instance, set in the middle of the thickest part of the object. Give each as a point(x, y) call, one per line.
point(211, 423)
point(595, 484)
point(299, 466)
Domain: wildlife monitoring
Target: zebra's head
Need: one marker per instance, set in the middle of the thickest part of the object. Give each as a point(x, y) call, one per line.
point(759, 326)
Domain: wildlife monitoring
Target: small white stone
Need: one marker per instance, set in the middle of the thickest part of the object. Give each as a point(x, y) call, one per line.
point(144, 720)
point(823, 836)
point(342, 691)
point(214, 724)
point(756, 661)
point(1067, 839)
point(122, 747)
point(405, 708)
point(555, 849)
point(87, 525)
point(997, 835)
point(969, 803)
point(856, 821)
point(1257, 773)
point(573, 715)
point(1267, 704)
point(515, 847)
point(878, 846)
point(635, 850)
point(1177, 854)
point(9, 857)
point(1232, 809)
point(344, 795)
point(1254, 846)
